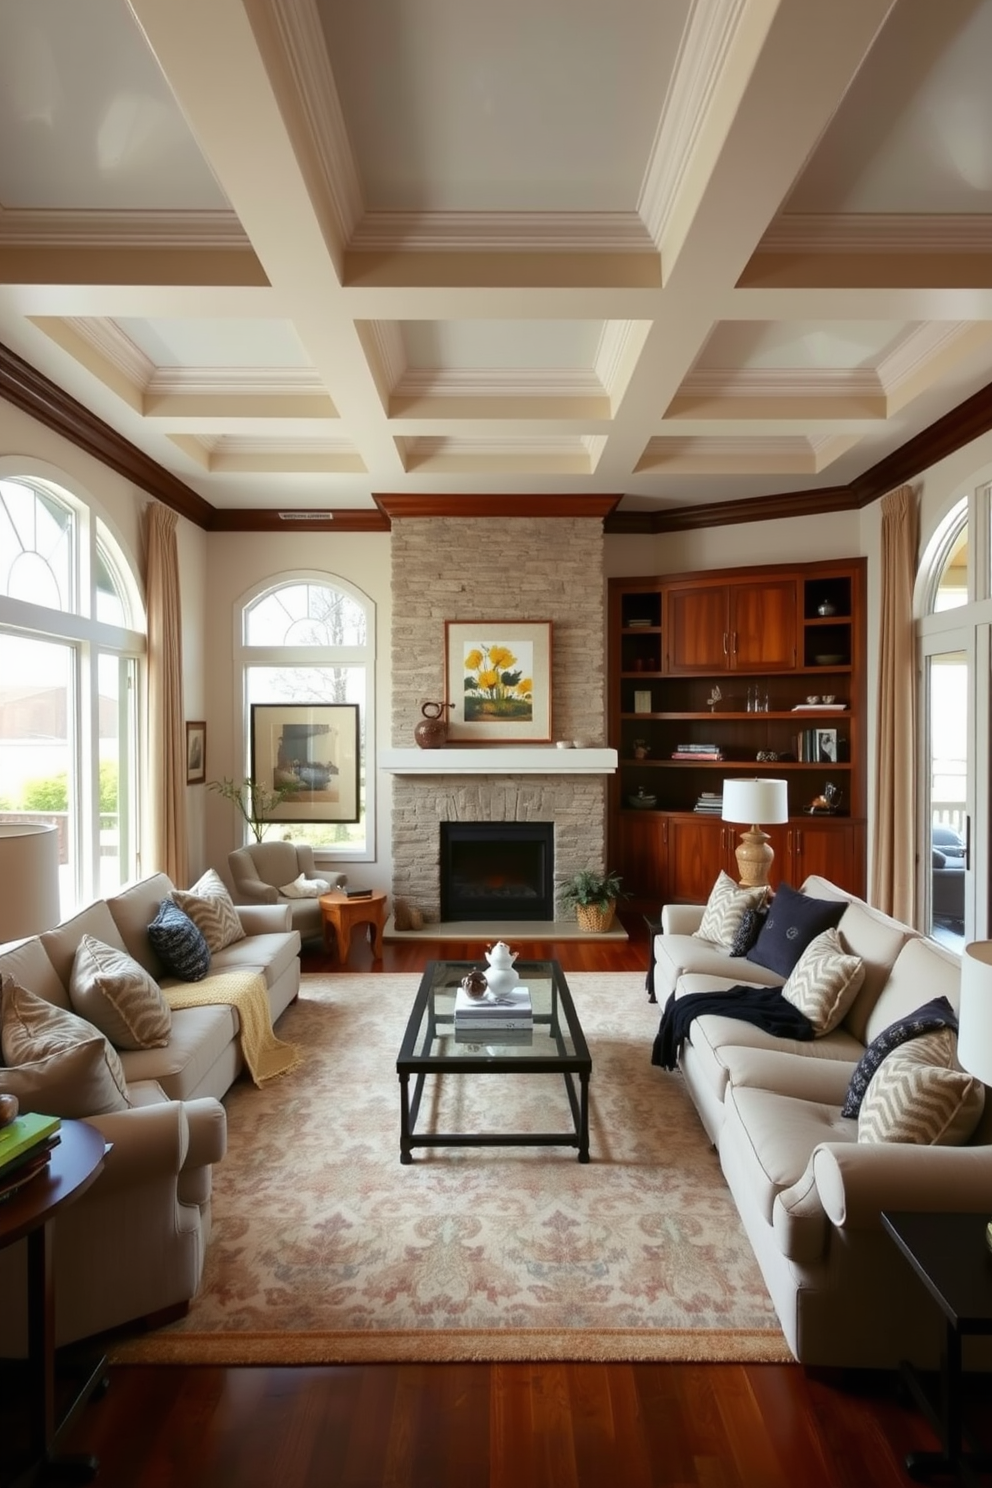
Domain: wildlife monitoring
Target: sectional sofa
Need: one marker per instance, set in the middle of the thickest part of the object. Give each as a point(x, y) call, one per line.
point(132, 1247)
point(808, 1191)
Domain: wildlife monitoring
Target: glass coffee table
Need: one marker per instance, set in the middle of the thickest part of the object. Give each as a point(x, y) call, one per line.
point(557, 1046)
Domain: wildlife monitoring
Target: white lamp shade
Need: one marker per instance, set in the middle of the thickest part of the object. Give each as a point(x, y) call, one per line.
point(975, 1012)
point(29, 874)
point(755, 801)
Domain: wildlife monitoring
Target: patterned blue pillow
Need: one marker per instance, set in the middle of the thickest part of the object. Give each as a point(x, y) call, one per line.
point(935, 1014)
point(793, 920)
point(748, 931)
point(179, 943)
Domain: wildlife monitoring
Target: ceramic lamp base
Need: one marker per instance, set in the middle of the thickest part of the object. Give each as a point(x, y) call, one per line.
point(755, 856)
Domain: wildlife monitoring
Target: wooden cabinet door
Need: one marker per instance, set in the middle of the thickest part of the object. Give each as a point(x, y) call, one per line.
point(696, 629)
point(698, 847)
point(640, 858)
point(763, 625)
point(832, 848)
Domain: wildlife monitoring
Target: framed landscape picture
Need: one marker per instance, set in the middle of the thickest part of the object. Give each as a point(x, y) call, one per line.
point(498, 680)
point(307, 754)
point(196, 753)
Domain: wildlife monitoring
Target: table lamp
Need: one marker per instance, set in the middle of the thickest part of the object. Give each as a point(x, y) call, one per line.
point(755, 801)
point(975, 1019)
point(29, 873)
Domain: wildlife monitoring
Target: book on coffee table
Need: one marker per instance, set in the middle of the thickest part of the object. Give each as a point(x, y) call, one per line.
point(494, 1037)
point(511, 1009)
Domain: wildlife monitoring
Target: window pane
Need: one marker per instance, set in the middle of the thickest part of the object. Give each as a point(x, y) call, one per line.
point(317, 684)
point(36, 538)
point(305, 615)
point(36, 773)
point(948, 732)
point(952, 585)
point(110, 603)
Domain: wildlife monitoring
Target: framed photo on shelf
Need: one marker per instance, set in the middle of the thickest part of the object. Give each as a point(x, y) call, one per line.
point(196, 753)
point(642, 701)
point(497, 676)
point(307, 756)
point(826, 746)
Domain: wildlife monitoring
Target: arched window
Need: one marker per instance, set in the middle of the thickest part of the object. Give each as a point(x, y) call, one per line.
point(307, 644)
point(71, 640)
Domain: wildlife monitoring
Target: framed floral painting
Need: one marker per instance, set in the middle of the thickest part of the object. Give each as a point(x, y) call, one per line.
point(498, 681)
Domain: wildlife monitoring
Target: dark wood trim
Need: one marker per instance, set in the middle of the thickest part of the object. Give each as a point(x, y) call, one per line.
point(497, 504)
point(340, 519)
point(35, 394)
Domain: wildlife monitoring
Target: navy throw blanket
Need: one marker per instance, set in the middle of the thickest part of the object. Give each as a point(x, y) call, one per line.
point(765, 1007)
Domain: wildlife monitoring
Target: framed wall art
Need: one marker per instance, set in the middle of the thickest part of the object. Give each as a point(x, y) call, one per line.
point(498, 680)
point(196, 753)
point(307, 754)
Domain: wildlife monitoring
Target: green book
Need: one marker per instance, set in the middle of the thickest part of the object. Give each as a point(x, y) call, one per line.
point(25, 1132)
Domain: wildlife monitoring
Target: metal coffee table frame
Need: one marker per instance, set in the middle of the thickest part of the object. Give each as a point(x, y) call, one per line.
point(428, 1022)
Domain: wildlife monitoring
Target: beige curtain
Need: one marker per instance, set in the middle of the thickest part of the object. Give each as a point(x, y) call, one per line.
point(168, 845)
point(893, 885)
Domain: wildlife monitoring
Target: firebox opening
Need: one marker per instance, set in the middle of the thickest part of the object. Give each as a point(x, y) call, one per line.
point(497, 870)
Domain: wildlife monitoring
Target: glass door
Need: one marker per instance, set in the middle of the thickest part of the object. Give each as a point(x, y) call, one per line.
point(948, 776)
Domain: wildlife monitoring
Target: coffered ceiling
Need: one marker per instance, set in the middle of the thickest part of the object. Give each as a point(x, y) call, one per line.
point(660, 255)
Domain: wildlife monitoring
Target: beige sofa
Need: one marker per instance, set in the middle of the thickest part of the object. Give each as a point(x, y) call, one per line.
point(808, 1192)
point(133, 1245)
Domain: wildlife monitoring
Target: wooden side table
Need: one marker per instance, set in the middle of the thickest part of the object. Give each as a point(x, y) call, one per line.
point(949, 1254)
point(337, 910)
point(75, 1163)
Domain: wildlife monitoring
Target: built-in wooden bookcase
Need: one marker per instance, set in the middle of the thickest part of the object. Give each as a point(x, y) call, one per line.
point(728, 660)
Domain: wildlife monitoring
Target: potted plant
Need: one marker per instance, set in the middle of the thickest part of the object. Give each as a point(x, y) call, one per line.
point(252, 800)
point(593, 896)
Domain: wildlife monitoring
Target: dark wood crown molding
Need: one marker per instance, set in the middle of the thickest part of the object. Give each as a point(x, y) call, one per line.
point(35, 394)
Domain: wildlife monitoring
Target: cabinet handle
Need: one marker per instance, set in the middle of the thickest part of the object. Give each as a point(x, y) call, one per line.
point(733, 635)
point(726, 649)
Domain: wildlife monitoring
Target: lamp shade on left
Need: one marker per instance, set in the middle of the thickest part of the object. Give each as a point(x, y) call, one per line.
point(29, 879)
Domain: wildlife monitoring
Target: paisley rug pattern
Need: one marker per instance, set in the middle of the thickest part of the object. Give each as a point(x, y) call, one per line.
point(325, 1248)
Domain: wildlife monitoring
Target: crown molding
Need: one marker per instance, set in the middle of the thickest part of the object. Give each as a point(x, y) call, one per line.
point(498, 504)
point(898, 233)
point(501, 232)
point(23, 227)
point(730, 513)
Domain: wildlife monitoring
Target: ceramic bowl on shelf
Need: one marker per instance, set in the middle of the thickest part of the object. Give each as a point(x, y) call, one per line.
point(829, 658)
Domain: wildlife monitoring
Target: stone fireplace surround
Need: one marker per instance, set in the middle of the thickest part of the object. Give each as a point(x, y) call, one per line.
point(526, 568)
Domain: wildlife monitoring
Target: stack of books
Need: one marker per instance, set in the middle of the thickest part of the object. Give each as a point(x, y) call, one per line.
point(492, 1019)
point(25, 1149)
point(697, 752)
point(710, 802)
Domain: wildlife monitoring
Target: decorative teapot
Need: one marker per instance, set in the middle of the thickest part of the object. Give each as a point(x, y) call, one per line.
point(432, 730)
point(501, 975)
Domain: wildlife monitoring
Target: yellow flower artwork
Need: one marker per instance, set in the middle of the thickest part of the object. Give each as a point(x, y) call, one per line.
point(497, 682)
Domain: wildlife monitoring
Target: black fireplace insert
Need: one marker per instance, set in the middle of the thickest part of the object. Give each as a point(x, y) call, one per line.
point(497, 871)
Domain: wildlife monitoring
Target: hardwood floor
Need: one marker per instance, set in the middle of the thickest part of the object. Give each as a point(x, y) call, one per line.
point(506, 1425)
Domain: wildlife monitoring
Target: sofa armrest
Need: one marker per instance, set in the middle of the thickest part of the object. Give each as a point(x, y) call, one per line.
point(257, 890)
point(265, 919)
point(148, 1142)
point(857, 1181)
point(681, 919)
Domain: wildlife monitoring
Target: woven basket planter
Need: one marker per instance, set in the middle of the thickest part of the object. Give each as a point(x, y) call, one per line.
point(592, 917)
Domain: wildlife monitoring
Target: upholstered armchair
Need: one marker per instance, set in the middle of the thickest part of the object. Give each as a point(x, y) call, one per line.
point(260, 871)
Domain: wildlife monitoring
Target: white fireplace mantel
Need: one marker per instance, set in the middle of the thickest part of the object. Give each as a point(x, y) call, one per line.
point(538, 759)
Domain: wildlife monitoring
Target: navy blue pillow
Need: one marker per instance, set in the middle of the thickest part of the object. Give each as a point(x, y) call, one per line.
point(748, 931)
point(793, 920)
point(179, 943)
point(937, 1013)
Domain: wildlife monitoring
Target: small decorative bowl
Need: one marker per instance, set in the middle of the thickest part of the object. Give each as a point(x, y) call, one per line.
point(475, 983)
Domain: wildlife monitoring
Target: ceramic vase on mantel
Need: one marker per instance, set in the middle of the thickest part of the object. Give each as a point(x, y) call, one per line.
point(432, 730)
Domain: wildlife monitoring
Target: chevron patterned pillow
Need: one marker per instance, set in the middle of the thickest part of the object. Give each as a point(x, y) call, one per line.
point(725, 910)
point(824, 981)
point(212, 910)
point(918, 1095)
point(115, 993)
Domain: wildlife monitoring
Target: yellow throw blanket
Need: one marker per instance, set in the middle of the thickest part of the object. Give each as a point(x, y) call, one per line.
point(265, 1055)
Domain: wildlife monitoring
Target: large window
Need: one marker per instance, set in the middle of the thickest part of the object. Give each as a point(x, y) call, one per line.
point(309, 638)
point(956, 668)
point(71, 639)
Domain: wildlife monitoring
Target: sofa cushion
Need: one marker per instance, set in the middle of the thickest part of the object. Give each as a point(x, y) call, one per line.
point(179, 943)
point(679, 956)
point(921, 970)
point(824, 981)
point(30, 965)
point(54, 1061)
point(878, 940)
point(133, 908)
point(725, 909)
point(937, 1013)
point(793, 920)
point(212, 910)
point(200, 1037)
point(771, 1137)
point(110, 990)
point(61, 943)
point(273, 955)
point(917, 1096)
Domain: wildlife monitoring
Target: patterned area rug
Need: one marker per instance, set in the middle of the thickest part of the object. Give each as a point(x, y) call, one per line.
point(326, 1249)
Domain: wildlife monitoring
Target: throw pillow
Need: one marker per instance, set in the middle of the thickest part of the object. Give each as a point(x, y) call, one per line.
point(54, 1061)
point(793, 920)
point(749, 930)
point(115, 993)
point(724, 910)
point(178, 943)
point(305, 888)
point(824, 981)
point(917, 1095)
point(212, 910)
point(935, 1014)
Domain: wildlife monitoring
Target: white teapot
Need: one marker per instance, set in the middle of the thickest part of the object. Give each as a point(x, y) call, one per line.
point(501, 975)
